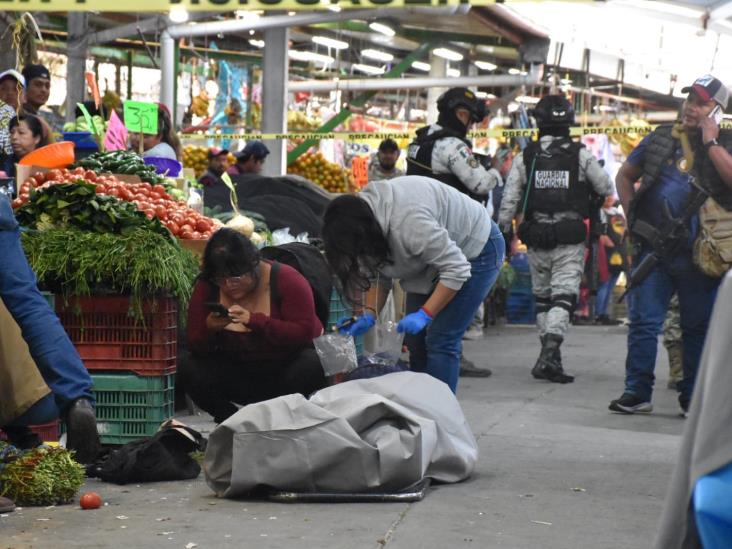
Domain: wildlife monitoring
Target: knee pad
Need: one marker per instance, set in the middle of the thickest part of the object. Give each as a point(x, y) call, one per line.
point(564, 301)
point(543, 303)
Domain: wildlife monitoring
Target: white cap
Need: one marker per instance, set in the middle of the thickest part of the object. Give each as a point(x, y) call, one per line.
point(13, 74)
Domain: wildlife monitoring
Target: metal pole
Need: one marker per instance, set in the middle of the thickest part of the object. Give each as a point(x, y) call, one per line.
point(78, 26)
point(438, 70)
point(274, 89)
point(167, 70)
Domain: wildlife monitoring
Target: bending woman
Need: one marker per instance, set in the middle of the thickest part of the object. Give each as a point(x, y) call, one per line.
point(441, 244)
point(247, 342)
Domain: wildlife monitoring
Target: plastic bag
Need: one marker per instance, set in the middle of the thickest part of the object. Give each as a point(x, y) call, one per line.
point(283, 236)
point(388, 341)
point(337, 353)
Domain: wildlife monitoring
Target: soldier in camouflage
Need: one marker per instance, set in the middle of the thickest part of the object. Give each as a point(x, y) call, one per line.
point(442, 151)
point(551, 182)
point(672, 343)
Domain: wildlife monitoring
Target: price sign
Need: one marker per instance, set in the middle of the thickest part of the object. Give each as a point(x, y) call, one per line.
point(116, 136)
point(141, 117)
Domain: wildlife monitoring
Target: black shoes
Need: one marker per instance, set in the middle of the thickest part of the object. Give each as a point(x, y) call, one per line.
point(630, 404)
point(549, 364)
point(81, 427)
point(469, 369)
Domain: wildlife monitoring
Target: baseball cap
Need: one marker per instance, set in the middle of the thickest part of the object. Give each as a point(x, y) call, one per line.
point(35, 71)
point(213, 152)
point(708, 87)
point(12, 73)
point(388, 145)
point(257, 149)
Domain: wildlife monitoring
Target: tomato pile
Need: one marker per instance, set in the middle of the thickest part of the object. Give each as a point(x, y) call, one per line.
point(182, 221)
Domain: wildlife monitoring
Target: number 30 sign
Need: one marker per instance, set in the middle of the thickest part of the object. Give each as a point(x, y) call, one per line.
point(141, 117)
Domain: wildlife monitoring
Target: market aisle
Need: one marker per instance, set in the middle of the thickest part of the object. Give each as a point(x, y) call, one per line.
point(557, 470)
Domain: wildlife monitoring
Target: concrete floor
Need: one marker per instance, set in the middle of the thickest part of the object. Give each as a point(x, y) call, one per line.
point(556, 470)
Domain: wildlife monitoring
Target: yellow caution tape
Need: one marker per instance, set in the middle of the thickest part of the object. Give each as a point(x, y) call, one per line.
point(575, 131)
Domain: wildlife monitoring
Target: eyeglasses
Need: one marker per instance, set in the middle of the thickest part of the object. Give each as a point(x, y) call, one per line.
point(229, 281)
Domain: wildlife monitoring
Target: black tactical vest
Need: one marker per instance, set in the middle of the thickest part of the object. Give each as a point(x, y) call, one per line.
point(419, 159)
point(553, 178)
point(659, 152)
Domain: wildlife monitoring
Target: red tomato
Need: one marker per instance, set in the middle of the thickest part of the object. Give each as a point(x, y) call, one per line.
point(78, 171)
point(17, 203)
point(161, 213)
point(90, 500)
point(203, 225)
point(89, 175)
point(173, 227)
point(31, 181)
point(126, 194)
point(195, 235)
point(53, 175)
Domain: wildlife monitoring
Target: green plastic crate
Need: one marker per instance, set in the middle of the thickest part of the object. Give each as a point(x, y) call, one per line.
point(130, 407)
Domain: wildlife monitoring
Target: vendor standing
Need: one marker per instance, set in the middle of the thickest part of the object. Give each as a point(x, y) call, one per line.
point(250, 160)
point(441, 244)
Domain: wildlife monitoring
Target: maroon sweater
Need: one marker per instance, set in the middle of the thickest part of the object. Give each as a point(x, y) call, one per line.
point(291, 326)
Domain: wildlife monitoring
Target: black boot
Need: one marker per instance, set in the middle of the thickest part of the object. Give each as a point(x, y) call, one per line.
point(81, 426)
point(549, 364)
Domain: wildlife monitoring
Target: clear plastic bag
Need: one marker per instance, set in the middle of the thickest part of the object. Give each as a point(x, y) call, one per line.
point(388, 341)
point(337, 353)
point(283, 236)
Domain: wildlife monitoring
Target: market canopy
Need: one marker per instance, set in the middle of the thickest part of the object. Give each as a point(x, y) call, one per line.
point(223, 5)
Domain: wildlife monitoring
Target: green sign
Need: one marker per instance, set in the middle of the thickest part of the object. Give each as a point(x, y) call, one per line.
point(141, 117)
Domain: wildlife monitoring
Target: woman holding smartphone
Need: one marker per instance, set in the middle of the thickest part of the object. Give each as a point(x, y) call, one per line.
point(246, 345)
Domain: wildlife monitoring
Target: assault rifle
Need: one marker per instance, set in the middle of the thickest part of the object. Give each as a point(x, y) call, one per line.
point(666, 239)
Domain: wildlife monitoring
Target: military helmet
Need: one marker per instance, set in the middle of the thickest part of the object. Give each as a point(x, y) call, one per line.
point(462, 97)
point(553, 110)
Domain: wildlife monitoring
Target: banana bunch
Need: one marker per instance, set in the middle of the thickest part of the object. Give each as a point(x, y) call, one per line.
point(299, 121)
point(199, 106)
point(256, 114)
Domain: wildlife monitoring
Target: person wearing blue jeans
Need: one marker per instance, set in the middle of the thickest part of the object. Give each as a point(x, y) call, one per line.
point(442, 246)
point(51, 349)
point(667, 159)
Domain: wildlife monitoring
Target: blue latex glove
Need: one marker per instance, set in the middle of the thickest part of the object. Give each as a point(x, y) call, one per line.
point(356, 327)
point(414, 323)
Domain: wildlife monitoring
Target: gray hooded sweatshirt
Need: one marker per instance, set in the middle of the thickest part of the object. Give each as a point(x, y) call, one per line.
point(432, 231)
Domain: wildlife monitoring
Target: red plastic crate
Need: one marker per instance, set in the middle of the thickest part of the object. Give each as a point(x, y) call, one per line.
point(108, 337)
point(49, 432)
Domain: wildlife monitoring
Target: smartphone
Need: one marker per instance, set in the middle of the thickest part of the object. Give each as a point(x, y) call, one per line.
point(716, 115)
point(218, 309)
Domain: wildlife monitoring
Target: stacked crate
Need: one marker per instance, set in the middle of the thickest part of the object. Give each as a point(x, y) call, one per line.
point(131, 360)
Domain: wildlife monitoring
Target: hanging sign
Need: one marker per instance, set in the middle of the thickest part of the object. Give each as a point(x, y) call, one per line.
point(141, 117)
point(131, 6)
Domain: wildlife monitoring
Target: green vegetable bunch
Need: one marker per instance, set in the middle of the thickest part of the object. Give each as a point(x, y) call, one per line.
point(42, 476)
point(120, 162)
point(137, 262)
point(78, 205)
point(81, 125)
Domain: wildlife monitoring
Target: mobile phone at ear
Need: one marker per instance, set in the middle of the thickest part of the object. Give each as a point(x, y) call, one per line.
point(217, 309)
point(716, 115)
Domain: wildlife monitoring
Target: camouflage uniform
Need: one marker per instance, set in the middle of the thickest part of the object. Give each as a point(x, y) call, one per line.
point(555, 273)
point(672, 342)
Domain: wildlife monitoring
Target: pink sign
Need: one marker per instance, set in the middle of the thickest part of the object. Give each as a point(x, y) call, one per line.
point(116, 137)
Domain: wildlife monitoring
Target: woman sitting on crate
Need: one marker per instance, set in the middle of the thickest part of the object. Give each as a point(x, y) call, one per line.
point(251, 324)
point(440, 243)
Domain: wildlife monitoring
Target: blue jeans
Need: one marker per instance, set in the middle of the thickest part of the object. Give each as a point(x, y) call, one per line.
point(51, 349)
point(604, 292)
point(437, 349)
point(648, 305)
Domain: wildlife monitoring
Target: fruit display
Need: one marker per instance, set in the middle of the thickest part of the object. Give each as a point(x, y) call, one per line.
point(152, 200)
point(81, 125)
point(298, 121)
point(120, 162)
point(330, 176)
point(195, 158)
point(199, 105)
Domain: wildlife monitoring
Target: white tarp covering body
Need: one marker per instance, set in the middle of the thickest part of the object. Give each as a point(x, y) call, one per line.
point(384, 433)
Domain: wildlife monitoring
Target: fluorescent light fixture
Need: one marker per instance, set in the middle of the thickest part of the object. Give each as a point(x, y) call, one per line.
point(484, 95)
point(453, 73)
point(377, 55)
point(334, 7)
point(450, 55)
point(527, 99)
point(248, 16)
point(486, 66)
point(368, 69)
point(291, 13)
point(178, 14)
point(256, 43)
point(330, 42)
point(514, 71)
point(310, 57)
point(381, 28)
point(421, 66)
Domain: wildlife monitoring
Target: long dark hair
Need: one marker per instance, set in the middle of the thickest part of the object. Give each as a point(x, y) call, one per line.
point(355, 244)
point(166, 131)
point(228, 253)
